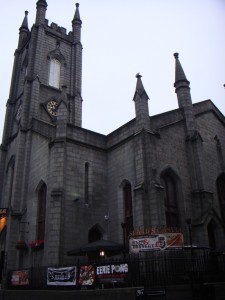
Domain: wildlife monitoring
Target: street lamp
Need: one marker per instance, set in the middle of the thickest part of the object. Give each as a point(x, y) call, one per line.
point(188, 221)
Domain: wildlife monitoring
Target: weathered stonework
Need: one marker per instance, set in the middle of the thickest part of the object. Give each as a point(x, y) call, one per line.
point(85, 172)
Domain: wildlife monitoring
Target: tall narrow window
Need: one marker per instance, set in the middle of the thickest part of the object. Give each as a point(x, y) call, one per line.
point(10, 179)
point(128, 210)
point(171, 206)
point(221, 193)
point(86, 182)
point(54, 74)
point(11, 184)
point(41, 212)
point(211, 235)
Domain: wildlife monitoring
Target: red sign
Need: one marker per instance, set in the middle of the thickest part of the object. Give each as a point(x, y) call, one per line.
point(20, 277)
point(87, 275)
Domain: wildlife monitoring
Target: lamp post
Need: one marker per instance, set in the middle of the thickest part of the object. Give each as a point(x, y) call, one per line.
point(188, 221)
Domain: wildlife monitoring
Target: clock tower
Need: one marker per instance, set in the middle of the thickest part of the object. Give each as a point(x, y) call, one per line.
point(47, 71)
point(45, 95)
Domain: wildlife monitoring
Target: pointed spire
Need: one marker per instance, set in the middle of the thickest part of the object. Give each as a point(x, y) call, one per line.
point(25, 22)
point(77, 15)
point(23, 32)
point(182, 90)
point(179, 72)
point(76, 23)
point(141, 105)
point(140, 90)
point(76, 76)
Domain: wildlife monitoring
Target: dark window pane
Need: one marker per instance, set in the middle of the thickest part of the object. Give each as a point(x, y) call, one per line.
point(221, 193)
point(128, 210)
point(171, 206)
point(41, 212)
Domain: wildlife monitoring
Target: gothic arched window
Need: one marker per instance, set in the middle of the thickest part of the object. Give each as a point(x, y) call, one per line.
point(170, 200)
point(54, 73)
point(94, 234)
point(220, 183)
point(41, 212)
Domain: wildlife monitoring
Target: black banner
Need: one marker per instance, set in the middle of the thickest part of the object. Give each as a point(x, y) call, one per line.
point(61, 276)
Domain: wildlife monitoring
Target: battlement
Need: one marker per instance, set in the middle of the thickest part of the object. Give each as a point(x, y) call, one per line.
point(56, 28)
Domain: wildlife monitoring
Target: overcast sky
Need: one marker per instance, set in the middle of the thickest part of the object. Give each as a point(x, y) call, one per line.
point(123, 37)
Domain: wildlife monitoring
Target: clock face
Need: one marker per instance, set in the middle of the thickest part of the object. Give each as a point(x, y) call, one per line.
point(52, 107)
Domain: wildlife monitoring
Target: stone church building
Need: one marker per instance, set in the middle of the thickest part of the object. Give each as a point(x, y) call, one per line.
point(63, 186)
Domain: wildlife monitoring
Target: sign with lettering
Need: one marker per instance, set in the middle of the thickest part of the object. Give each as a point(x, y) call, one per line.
point(61, 276)
point(112, 273)
point(154, 242)
point(154, 230)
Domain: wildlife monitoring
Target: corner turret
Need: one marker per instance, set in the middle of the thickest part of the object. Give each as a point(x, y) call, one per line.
point(76, 23)
point(76, 74)
point(141, 105)
point(23, 32)
point(182, 89)
point(41, 11)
